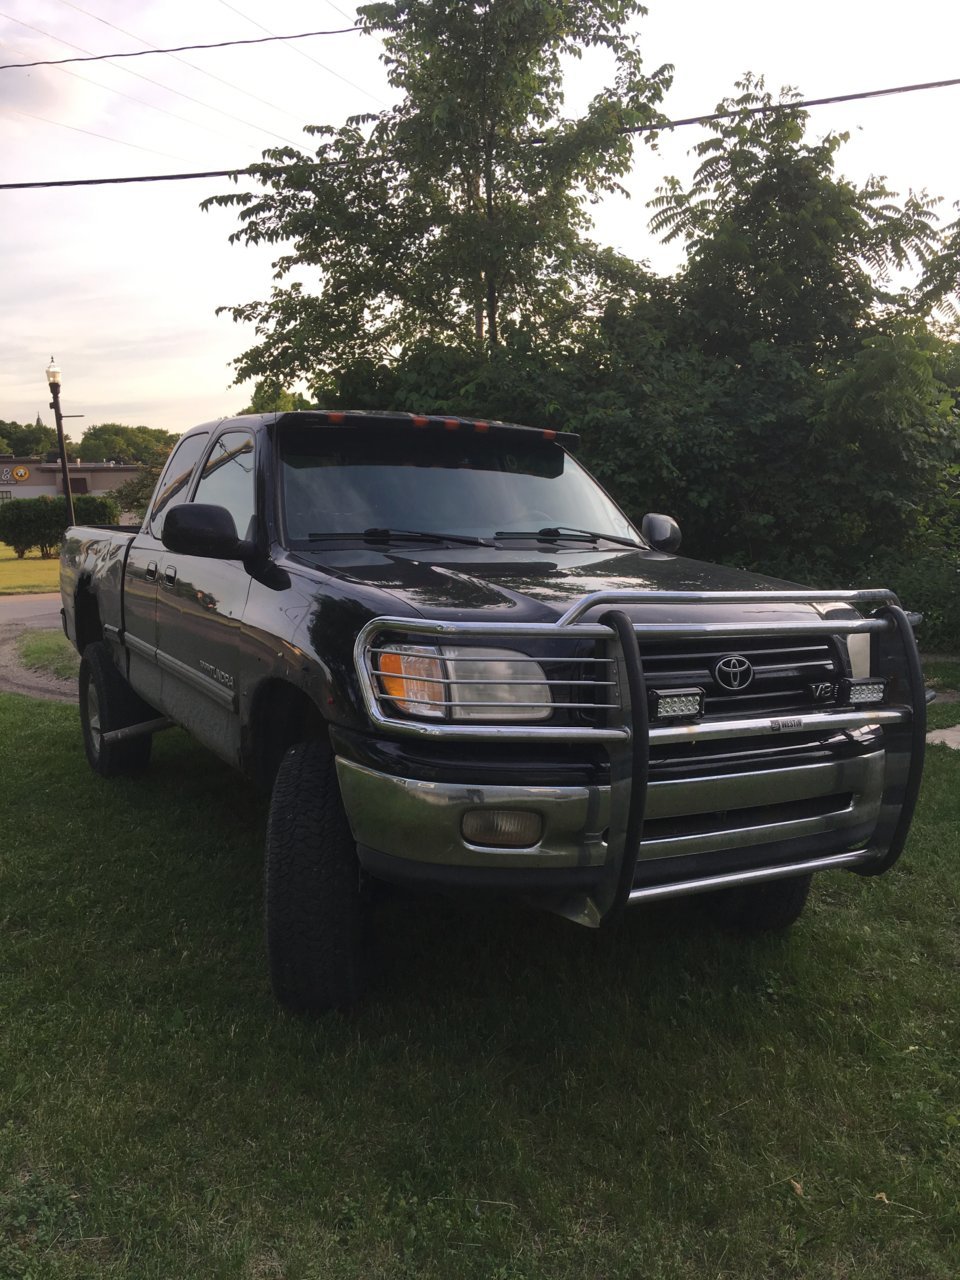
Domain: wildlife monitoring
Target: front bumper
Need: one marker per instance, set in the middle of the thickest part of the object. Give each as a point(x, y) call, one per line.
point(647, 834)
point(421, 821)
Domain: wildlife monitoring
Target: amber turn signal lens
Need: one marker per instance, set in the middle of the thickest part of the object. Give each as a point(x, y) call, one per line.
point(413, 679)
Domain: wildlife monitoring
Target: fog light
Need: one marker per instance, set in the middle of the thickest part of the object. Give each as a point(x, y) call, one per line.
point(864, 692)
point(502, 828)
point(675, 704)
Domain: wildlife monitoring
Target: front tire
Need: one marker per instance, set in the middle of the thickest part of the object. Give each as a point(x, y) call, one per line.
point(314, 913)
point(107, 703)
point(770, 907)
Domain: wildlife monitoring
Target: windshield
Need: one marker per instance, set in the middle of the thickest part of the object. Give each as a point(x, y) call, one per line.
point(342, 481)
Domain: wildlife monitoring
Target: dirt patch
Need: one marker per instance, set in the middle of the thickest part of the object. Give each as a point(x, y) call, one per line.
point(16, 678)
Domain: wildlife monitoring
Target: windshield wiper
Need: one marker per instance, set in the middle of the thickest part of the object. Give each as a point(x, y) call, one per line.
point(419, 535)
point(551, 534)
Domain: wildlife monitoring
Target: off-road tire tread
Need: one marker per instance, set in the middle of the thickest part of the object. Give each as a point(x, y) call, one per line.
point(120, 707)
point(314, 917)
point(760, 908)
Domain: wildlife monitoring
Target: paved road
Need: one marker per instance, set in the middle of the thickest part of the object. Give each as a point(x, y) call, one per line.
point(41, 610)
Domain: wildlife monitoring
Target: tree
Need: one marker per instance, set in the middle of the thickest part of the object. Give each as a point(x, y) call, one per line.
point(457, 219)
point(816, 428)
point(780, 248)
point(270, 397)
point(134, 494)
point(111, 442)
point(28, 441)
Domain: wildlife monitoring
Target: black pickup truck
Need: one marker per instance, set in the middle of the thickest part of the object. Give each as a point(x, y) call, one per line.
point(454, 662)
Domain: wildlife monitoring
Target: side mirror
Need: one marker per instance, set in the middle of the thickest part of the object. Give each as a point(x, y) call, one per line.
point(200, 529)
point(661, 532)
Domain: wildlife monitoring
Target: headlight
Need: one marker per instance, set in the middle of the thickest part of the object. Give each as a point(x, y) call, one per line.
point(459, 683)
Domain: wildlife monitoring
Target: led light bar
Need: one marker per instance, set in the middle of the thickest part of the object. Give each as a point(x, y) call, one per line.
point(675, 704)
point(864, 692)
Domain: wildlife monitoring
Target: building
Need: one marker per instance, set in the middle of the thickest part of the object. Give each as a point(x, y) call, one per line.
point(32, 478)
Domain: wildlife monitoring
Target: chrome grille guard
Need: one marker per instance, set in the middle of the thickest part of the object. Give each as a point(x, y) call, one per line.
point(628, 738)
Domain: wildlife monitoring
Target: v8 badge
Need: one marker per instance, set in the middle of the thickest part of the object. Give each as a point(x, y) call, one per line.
point(823, 691)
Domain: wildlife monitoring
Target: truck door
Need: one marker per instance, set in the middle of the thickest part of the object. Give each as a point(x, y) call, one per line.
point(200, 604)
point(144, 566)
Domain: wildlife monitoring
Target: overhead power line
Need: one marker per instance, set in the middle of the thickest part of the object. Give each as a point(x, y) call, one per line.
point(647, 128)
point(207, 106)
point(272, 106)
point(104, 137)
point(300, 52)
point(142, 177)
point(796, 106)
point(179, 48)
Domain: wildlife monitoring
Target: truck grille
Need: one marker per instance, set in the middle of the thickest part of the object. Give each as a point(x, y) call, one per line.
point(783, 670)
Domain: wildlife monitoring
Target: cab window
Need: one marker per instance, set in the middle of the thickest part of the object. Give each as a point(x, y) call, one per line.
point(175, 482)
point(227, 479)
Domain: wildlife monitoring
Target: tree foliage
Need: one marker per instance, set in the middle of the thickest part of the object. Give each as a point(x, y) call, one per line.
point(28, 440)
point(791, 394)
point(270, 397)
point(112, 442)
point(459, 217)
point(780, 248)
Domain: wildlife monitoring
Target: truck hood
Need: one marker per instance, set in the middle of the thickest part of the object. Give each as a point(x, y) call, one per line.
point(533, 584)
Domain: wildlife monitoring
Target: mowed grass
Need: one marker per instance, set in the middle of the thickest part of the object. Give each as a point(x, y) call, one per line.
point(517, 1098)
point(50, 652)
point(29, 575)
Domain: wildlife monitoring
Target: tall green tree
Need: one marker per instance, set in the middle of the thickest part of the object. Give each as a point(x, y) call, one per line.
point(459, 218)
point(113, 442)
point(781, 248)
point(28, 440)
point(270, 397)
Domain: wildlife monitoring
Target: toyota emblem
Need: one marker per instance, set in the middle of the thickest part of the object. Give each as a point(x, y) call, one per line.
point(733, 672)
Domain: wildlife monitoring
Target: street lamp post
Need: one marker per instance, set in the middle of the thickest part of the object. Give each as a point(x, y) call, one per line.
point(53, 378)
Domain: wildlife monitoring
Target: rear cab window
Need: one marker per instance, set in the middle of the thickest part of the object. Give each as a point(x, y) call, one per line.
point(174, 483)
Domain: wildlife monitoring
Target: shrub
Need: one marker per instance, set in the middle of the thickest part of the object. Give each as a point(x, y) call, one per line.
point(41, 522)
point(929, 583)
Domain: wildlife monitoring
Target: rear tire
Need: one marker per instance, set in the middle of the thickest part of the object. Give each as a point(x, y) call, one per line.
point(314, 911)
point(107, 703)
point(770, 907)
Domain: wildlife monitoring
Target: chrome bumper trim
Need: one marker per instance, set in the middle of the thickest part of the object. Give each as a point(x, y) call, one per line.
point(420, 821)
point(860, 777)
point(760, 875)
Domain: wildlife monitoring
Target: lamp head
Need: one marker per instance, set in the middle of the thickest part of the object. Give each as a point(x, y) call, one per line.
point(53, 373)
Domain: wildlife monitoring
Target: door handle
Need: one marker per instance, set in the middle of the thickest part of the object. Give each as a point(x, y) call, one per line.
point(170, 576)
point(150, 573)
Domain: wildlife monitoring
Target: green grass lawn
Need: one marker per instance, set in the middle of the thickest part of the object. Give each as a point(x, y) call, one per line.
point(49, 651)
point(517, 1098)
point(31, 574)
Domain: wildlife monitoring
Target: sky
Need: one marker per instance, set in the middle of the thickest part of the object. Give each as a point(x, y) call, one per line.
point(121, 284)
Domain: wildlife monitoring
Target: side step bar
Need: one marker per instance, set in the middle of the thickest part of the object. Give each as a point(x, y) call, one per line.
point(136, 730)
